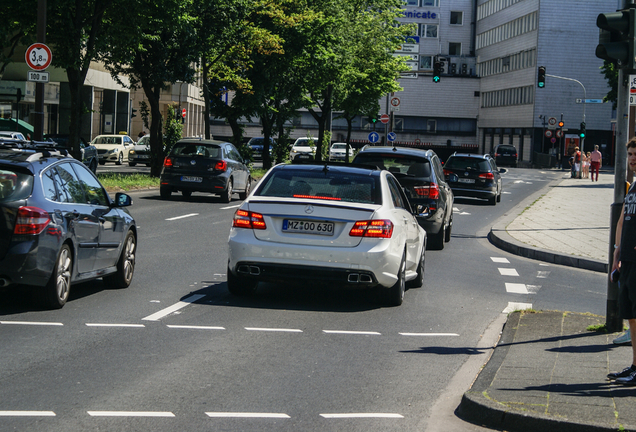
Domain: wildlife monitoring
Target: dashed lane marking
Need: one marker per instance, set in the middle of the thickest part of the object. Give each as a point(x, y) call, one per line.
point(175, 307)
point(361, 415)
point(500, 260)
point(27, 414)
point(34, 323)
point(130, 414)
point(429, 334)
point(113, 325)
point(512, 306)
point(352, 332)
point(542, 274)
point(516, 288)
point(194, 327)
point(247, 415)
point(508, 272)
point(230, 207)
point(273, 329)
point(182, 217)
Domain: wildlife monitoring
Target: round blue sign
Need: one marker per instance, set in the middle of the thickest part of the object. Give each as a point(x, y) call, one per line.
point(391, 136)
point(374, 137)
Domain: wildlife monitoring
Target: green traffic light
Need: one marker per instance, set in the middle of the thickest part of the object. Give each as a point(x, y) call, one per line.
point(436, 79)
point(582, 135)
point(541, 84)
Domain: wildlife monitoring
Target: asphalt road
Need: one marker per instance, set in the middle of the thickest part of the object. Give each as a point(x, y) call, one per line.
point(175, 351)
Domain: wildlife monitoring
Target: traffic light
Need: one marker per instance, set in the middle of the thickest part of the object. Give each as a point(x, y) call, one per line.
point(132, 112)
point(437, 71)
point(616, 38)
point(582, 130)
point(561, 124)
point(541, 80)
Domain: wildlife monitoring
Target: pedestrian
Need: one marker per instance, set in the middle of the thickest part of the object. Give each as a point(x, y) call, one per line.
point(577, 163)
point(571, 162)
point(595, 162)
point(625, 263)
point(141, 135)
point(586, 165)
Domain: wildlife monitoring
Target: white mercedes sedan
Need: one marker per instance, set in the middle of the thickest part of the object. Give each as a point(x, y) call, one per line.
point(328, 225)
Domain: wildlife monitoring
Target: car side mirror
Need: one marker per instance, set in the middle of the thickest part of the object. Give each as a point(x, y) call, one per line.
point(122, 200)
point(452, 177)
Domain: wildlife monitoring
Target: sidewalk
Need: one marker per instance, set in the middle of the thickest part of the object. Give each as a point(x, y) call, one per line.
point(548, 370)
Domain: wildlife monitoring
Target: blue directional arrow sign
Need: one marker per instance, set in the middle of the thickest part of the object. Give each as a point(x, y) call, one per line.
point(391, 136)
point(374, 137)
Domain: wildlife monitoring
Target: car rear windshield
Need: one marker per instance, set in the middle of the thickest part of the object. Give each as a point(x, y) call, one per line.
point(510, 149)
point(397, 164)
point(331, 185)
point(304, 143)
point(197, 149)
point(14, 185)
point(467, 163)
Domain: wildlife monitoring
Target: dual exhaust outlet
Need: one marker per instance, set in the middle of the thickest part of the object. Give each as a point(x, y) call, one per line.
point(252, 270)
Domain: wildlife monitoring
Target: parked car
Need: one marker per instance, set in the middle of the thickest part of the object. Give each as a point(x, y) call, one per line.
point(505, 154)
point(59, 226)
point(477, 176)
point(140, 153)
point(333, 225)
point(303, 150)
point(256, 145)
point(421, 175)
point(338, 152)
point(89, 151)
point(14, 135)
point(196, 165)
point(113, 148)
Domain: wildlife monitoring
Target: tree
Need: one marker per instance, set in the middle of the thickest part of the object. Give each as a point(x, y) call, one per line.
point(610, 72)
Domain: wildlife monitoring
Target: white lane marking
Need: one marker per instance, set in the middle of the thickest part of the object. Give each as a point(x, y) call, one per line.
point(512, 306)
point(429, 334)
point(130, 414)
point(273, 329)
point(508, 272)
point(230, 207)
point(361, 415)
point(506, 193)
point(246, 415)
point(518, 181)
point(182, 217)
point(35, 323)
point(500, 260)
point(516, 288)
point(193, 327)
point(352, 332)
point(175, 307)
point(113, 325)
point(544, 265)
point(533, 289)
point(27, 414)
point(542, 274)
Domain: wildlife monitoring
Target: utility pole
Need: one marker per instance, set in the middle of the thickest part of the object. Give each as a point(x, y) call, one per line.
point(38, 126)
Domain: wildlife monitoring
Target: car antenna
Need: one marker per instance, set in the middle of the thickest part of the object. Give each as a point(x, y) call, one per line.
point(394, 149)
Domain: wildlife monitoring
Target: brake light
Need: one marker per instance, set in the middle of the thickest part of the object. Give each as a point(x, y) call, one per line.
point(497, 155)
point(431, 191)
point(487, 176)
point(248, 219)
point(318, 197)
point(447, 172)
point(378, 228)
point(220, 166)
point(167, 162)
point(31, 221)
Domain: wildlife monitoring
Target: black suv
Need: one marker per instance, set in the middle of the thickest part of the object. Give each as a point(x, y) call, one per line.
point(472, 175)
point(196, 165)
point(421, 175)
point(505, 154)
point(58, 225)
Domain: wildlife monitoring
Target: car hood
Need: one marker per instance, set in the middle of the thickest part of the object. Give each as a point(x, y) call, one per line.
point(107, 146)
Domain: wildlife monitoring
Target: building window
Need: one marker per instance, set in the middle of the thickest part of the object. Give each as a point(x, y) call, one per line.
point(431, 126)
point(456, 18)
point(428, 31)
point(454, 48)
point(433, 3)
point(412, 2)
point(426, 62)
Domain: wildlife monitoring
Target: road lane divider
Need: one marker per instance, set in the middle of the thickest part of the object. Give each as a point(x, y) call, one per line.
point(130, 414)
point(27, 414)
point(182, 217)
point(349, 332)
point(33, 323)
point(246, 415)
point(273, 329)
point(175, 307)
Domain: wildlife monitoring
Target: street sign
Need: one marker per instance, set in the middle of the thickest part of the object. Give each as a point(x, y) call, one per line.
point(548, 133)
point(41, 77)
point(38, 56)
point(632, 90)
point(553, 140)
point(391, 136)
point(395, 101)
point(409, 48)
point(374, 137)
point(384, 118)
point(559, 133)
point(410, 75)
point(552, 121)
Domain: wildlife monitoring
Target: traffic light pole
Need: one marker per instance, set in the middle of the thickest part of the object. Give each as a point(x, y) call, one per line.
point(584, 99)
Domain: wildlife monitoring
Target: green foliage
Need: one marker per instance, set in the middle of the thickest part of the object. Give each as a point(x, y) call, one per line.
point(145, 114)
point(173, 129)
point(610, 72)
point(115, 182)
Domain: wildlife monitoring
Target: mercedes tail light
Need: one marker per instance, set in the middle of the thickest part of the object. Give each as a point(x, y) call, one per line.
point(431, 191)
point(378, 228)
point(248, 219)
point(31, 221)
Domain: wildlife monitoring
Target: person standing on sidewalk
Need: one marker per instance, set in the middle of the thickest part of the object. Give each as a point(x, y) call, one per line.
point(577, 163)
point(625, 261)
point(595, 162)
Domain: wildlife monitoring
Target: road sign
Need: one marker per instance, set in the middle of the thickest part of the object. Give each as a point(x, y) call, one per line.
point(374, 137)
point(395, 101)
point(183, 113)
point(41, 77)
point(384, 118)
point(38, 56)
point(548, 133)
point(391, 136)
point(632, 89)
point(553, 140)
point(559, 133)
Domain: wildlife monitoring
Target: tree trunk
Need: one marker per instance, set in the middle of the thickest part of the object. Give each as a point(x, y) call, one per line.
point(206, 99)
point(156, 129)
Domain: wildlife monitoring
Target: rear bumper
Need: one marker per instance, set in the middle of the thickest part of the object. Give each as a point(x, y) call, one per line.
point(475, 193)
point(211, 184)
point(27, 264)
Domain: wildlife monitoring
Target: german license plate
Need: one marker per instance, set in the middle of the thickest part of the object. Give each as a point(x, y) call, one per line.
point(308, 227)
point(191, 179)
point(143, 157)
point(465, 180)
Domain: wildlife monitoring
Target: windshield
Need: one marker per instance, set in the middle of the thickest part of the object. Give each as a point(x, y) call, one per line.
point(304, 142)
point(108, 140)
point(397, 164)
point(339, 147)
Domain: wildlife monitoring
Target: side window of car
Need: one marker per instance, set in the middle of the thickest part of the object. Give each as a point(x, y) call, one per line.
point(395, 193)
point(93, 190)
point(48, 185)
point(437, 167)
point(68, 185)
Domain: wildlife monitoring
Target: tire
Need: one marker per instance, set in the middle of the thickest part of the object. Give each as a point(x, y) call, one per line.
point(492, 200)
point(436, 242)
point(395, 294)
point(418, 282)
point(58, 287)
point(93, 166)
point(132, 163)
point(120, 159)
point(126, 264)
point(165, 193)
point(226, 196)
point(186, 194)
point(101, 162)
point(243, 195)
point(447, 235)
point(499, 197)
point(239, 286)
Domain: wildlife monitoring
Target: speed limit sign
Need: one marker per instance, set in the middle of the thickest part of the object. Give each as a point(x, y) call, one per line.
point(38, 56)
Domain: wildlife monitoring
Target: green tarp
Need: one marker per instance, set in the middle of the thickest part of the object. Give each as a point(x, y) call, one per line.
point(16, 125)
